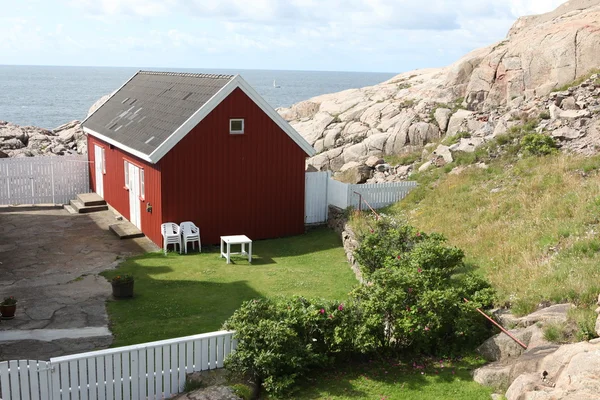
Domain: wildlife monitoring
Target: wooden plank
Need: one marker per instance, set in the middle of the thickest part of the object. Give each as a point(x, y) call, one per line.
point(55, 378)
point(181, 367)
point(166, 368)
point(212, 353)
point(110, 385)
point(45, 376)
point(205, 355)
point(74, 380)
point(118, 376)
point(126, 373)
point(227, 347)
point(34, 380)
point(197, 355)
point(5, 380)
point(159, 373)
point(24, 378)
point(142, 377)
point(64, 381)
point(92, 373)
point(220, 351)
point(101, 378)
point(15, 393)
point(135, 379)
point(173, 372)
point(189, 357)
point(151, 372)
point(83, 379)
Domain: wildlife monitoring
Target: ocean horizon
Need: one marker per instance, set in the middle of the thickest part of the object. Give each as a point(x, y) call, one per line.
point(48, 96)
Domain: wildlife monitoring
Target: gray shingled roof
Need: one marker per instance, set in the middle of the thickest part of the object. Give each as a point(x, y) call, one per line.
point(152, 105)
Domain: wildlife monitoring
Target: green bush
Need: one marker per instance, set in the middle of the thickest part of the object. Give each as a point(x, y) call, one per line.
point(279, 340)
point(537, 144)
point(414, 299)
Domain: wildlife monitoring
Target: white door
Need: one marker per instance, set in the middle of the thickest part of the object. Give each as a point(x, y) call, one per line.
point(134, 196)
point(99, 167)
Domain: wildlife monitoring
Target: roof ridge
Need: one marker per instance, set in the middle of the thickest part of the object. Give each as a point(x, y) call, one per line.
point(190, 74)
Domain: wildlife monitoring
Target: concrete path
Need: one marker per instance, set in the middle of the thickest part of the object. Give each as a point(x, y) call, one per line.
point(50, 261)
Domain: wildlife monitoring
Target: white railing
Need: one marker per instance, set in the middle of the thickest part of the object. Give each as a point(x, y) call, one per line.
point(344, 195)
point(43, 179)
point(155, 370)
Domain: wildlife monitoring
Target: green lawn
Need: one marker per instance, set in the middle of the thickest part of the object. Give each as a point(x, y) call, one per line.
point(396, 380)
point(181, 295)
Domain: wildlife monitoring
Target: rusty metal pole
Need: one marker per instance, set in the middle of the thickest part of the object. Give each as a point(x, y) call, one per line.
point(499, 326)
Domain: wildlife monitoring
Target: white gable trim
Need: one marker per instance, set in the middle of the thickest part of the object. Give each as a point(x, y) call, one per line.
point(118, 144)
point(211, 104)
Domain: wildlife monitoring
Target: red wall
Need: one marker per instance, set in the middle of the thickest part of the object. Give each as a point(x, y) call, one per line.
point(251, 184)
point(117, 196)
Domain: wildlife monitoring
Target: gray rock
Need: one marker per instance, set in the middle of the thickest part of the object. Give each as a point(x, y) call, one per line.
point(372, 161)
point(569, 104)
point(458, 122)
point(554, 314)
point(442, 117)
point(566, 133)
point(494, 375)
point(425, 166)
point(597, 327)
point(444, 152)
point(575, 114)
point(210, 393)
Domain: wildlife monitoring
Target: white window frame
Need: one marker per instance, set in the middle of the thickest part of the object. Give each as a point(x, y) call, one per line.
point(126, 166)
point(142, 185)
point(103, 161)
point(231, 131)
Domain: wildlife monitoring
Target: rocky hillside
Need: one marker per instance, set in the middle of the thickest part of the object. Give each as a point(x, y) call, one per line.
point(27, 141)
point(478, 95)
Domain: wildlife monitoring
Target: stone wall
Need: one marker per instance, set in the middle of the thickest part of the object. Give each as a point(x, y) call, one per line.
point(338, 221)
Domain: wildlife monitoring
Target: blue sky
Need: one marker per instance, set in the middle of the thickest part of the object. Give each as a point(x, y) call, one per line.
point(336, 35)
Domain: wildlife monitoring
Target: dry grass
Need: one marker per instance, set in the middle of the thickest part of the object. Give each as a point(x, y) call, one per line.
point(532, 227)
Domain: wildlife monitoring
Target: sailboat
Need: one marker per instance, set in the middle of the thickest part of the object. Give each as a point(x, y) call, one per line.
point(275, 85)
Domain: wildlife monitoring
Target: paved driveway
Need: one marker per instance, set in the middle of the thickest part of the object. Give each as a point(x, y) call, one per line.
point(50, 261)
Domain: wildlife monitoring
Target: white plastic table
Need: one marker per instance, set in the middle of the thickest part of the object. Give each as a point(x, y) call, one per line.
point(236, 239)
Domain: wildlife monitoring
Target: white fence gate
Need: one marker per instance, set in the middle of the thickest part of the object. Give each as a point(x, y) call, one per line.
point(322, 190)
point(154, 370)
point(43, 180)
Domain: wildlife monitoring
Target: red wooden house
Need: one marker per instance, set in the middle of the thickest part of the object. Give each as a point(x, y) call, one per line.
point(173, 147)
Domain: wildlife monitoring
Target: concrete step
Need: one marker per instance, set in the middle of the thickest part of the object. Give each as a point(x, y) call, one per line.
point(82, 209)
point(91, 199)
point(70, 209)
point(125, 230)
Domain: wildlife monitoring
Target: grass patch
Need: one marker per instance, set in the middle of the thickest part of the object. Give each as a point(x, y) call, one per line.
point(530, 224)
point(397, 380)
point(181, 295)
point(578, 81)
point(404, 159)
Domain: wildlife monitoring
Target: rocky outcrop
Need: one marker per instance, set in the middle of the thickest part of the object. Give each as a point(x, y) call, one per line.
point(28, 141)
point(540, 54)
point(544, 370)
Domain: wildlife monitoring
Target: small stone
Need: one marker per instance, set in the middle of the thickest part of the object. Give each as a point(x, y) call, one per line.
point(425, 166)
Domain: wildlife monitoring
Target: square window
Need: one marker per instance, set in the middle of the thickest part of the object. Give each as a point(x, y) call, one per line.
point(236, 126)
point(142, 185)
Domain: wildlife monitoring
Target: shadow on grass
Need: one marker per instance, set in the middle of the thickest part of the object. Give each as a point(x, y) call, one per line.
point(164, 308)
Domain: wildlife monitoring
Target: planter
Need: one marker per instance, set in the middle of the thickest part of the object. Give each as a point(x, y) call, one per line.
point(8, 312)
point(122, 290)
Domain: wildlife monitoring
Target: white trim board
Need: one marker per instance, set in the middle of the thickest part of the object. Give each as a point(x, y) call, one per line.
point(185, 128)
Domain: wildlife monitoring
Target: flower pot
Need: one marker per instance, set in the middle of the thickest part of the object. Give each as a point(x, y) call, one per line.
point(8, 312)
point(122, 290)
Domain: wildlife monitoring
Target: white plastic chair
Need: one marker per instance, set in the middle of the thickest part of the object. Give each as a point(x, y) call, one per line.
point(171, 235)
point(191, 233)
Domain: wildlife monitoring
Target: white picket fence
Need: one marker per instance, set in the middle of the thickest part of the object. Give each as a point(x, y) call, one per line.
point(43, 179)
point(322, 190)
point(154, 370)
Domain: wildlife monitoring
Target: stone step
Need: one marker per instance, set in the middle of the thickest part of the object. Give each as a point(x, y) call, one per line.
point(82, 209)
point(91, 199)
point(70, 209)
point(125, 230)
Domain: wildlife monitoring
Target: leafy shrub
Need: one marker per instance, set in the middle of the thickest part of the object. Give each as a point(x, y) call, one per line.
point(279, 340)
point(545, 115)
point(414, 299)
point(537, 144)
